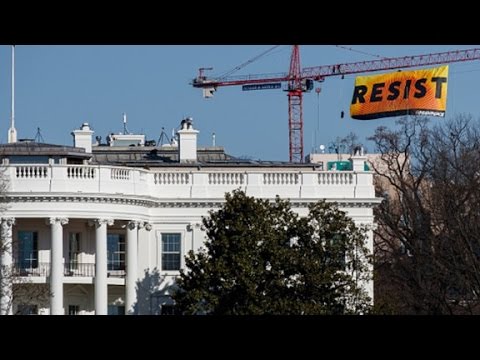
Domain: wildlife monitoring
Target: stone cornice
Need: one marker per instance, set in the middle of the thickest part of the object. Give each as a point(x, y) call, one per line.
point(83, 198)
point(351, 203)
point(150, 202)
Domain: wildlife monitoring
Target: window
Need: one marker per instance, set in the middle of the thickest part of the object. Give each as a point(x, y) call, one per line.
point(161, 304)
point(29, 159)
point(25, 309)
point(171, 251)
point(116, 310)
point(27, 250)
point(168, 310)
point(116, 251)
point(335, 251)
point(73, 309)
point(73, 250)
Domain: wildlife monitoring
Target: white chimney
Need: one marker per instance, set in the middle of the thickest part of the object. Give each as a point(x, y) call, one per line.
point(83, 138)
point(358, 159)
point(187, 142)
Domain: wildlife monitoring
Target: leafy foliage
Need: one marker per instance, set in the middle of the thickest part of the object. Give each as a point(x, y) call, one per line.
point(262, 258)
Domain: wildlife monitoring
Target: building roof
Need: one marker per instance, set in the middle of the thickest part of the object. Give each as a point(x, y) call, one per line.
point(121, 155)
point(32, 148)
point(167, 156)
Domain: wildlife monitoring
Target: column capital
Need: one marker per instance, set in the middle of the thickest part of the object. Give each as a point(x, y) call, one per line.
point(133, 224)
point(9, 221)
point(194, 225)
point(145, 225)
point(100, 222)
point(57, 220)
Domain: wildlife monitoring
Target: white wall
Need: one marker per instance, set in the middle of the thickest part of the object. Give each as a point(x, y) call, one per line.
point(169, 201)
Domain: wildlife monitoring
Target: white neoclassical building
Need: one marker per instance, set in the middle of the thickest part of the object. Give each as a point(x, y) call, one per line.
point(107, 226)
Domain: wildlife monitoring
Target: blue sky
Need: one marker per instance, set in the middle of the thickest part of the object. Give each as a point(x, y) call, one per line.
point(59, 87)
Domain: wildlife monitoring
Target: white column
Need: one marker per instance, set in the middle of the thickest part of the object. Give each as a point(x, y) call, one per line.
point(56, 265)
point(101, 287)
point(195, 229)
point(6, 288)
point(132, 254)
point(133, 229)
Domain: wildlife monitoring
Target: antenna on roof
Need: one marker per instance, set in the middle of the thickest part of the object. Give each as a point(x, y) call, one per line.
point(173, 140)
point(12, 132)
point(125, 130)
point(163, 138)
point(39, 137)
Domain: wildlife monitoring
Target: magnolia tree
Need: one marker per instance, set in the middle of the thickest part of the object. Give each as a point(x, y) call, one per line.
point(260, 257)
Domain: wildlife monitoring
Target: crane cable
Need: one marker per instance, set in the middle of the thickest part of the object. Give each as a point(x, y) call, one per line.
point(360, 52)
point(317, 130)
point(241, 66)
point(451, 82)
point(342, 112)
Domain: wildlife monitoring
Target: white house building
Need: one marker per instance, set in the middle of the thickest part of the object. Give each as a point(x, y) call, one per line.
point(107, 226)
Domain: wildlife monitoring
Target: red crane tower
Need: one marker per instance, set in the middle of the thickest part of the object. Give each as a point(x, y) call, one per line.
point(299, 81)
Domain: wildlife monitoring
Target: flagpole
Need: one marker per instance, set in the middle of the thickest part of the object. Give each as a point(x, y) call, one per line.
point(12, 132)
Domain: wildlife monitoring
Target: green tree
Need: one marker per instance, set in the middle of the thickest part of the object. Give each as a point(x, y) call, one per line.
point(260, 257)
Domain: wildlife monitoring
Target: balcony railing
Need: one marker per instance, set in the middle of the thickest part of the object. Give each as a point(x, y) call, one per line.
point(35, 269)
point(199, 183)
point(79, 269)
point(69, 269)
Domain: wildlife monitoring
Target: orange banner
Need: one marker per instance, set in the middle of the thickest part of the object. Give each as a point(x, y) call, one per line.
point(419, 92)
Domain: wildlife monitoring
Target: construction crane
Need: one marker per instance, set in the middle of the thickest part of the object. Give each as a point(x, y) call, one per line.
point(298, 81)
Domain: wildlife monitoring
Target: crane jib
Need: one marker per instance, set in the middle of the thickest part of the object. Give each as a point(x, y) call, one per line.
point(378, 94)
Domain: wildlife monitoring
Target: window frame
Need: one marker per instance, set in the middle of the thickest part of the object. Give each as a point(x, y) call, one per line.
point(120, 252)
point(33, 257)
point(27, 309)
point(115, 309)
point(178, 252)
point(73, 310)
point(74, 256)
